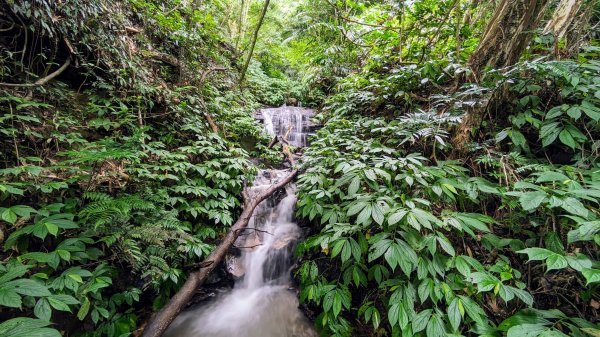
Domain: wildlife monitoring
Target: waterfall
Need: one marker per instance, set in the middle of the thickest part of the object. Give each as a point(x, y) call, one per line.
point(292, 121)
point(261, 304)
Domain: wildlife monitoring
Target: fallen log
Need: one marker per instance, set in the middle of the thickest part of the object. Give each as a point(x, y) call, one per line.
point(161, 321)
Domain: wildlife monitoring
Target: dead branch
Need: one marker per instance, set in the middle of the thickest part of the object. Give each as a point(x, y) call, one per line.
point(286, 147)
point(42, 80)
point(273, 142)
point(161, 321)
point(208, 71)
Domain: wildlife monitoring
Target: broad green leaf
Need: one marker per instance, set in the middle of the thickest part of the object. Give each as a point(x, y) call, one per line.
point(9, 297)
point(566, 138)
point(556, 261)
point(9, 216)
point(526, 330)
point(575, 207)
point(354, 186)
point(435, 327)
point(579, 262)
point(58, 304)
point(536, 254)
point(84, 309)
point(591, 275)
point(42, 309)
point(531, 200)
point(420, 321)
point(454, 314)
point(30, 287)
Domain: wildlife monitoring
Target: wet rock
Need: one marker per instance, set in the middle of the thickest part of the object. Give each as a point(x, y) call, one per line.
point(235, 267)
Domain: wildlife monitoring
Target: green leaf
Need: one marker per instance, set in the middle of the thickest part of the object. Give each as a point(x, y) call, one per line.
point(396, 217)
point(42, 309)
point(551, 176)
point(591, 275)
point(523, 295)
point(549, 132)
point(575, 207)
point(337, 304)
point(377, 214)
point(85, 308)
point(30, 287)
point(462, 266)
point(446, 244)
point(394, 314)
point(579, 262)
point(14, 272)
point(58, 304)
point(552, 333)
point(27, 327)
point(454, 315)
point(574, 112)
point(566, 138)
point(365, 216)
point(420, 321)
point(354, 209)
point(52, 228)
point(354, 186)
point(556, 261)
point(536, 254)
point(585, 232)
point(9, 216)
point(526, 330)
point(9, 298)
point(531, 200)
point(435, 327)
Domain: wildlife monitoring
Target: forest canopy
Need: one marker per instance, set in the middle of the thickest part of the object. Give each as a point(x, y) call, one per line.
point(452, 188)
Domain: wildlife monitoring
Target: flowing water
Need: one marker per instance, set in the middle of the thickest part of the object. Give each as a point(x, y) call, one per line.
point(262, 302)
point(290, 122)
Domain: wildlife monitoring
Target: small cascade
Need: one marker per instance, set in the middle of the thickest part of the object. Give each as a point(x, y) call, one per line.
point(290, 122)
point(261, 304)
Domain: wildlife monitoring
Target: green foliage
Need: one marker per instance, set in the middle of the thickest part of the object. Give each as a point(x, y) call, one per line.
point(567, 121)
point(412, 243)
point(113, 184)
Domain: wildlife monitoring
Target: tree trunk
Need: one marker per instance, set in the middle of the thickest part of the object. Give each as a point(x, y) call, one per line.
point(254, 37)
point(579, 31)
point(506, 35)
point(161, 321)
point(569, 22)
point(243, 19)
point(562, 18)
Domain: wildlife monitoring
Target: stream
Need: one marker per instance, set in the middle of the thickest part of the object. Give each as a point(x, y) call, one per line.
point(263, 302)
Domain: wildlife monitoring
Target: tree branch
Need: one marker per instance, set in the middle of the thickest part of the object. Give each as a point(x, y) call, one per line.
point(42, 80)
point(161, 321)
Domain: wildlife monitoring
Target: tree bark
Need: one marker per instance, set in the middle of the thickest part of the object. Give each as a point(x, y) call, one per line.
point(506, 35)
point(562, 18)
point(253, 44)
point(243, 19)
point(161, 321)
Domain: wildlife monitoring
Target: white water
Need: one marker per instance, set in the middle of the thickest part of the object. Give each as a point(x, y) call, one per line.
point(279, 120)
point(261, 304)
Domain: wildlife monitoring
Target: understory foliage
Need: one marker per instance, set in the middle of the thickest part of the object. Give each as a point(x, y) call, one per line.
point(120, 175)
point(415, 236)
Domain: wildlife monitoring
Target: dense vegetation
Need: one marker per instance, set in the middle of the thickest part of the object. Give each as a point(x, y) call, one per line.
point(452, 190)
point(423, 231)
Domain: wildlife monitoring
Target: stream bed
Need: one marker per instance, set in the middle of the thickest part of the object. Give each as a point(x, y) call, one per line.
point(263, 302)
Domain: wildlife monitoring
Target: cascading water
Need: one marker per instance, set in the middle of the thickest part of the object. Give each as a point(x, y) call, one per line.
point(290, 121)
point(261, 303)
